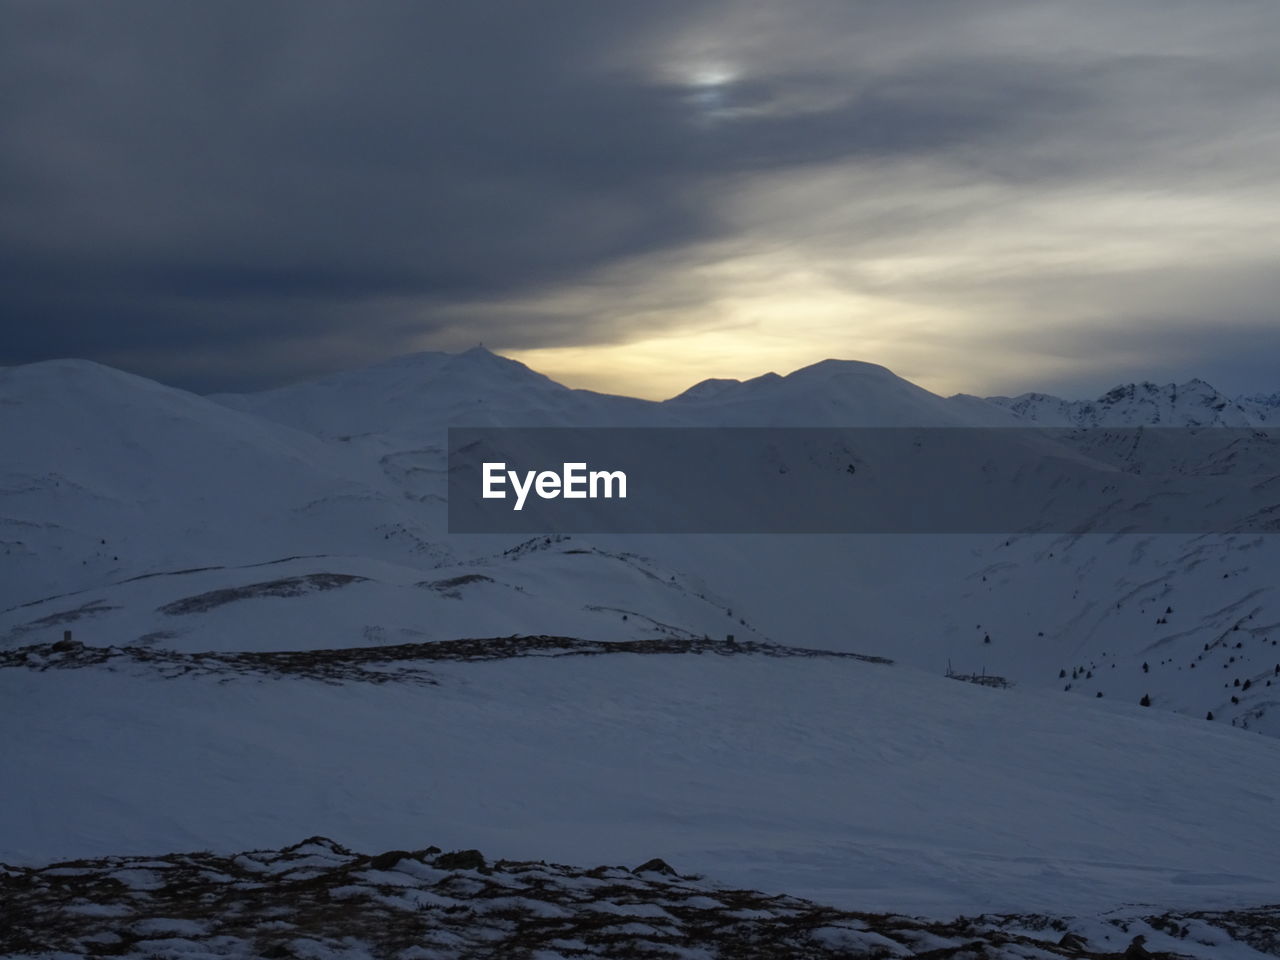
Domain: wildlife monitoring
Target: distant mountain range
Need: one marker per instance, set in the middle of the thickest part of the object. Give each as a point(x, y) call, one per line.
point(1194, 403)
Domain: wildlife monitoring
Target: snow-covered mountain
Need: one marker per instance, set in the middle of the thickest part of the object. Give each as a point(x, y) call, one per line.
point(416, 395)
point(1261, 408)
point(257, 580)
point(832, 393)
point(1189, 622)
point(115, 478)
point(1191, 404)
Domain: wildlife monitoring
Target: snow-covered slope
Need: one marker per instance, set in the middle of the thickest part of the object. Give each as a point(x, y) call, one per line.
point(1192, 623)
point(550, 585)
point(394, 416)
point(1027, 609)
point(417, 395)
point(865, 785)
point(108, 475)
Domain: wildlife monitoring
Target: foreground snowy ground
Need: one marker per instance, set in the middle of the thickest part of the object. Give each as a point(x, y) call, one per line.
point(317, 899)
point(863, 785)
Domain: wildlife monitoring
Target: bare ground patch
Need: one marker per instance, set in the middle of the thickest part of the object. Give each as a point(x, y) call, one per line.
point(317, 898)
point(402, 662)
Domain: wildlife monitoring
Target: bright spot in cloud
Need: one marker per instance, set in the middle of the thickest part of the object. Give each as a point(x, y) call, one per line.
point(711, 76)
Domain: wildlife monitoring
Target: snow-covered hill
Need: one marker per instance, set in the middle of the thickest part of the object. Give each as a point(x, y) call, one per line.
point(108, 475)
point(417, 395)
point(549, 585)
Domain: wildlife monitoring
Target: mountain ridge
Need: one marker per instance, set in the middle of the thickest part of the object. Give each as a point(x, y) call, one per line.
point(1194, 403)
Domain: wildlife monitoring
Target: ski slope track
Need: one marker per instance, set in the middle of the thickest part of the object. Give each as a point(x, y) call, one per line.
point(274, 637)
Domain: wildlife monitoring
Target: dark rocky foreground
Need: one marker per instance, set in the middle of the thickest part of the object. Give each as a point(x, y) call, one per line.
point(317, 899)
point(402, 662)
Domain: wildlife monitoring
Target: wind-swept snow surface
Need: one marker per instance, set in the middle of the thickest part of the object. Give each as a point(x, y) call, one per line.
point(865, 785)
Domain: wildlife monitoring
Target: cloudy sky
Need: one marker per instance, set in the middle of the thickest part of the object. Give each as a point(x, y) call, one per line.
point(983, 196)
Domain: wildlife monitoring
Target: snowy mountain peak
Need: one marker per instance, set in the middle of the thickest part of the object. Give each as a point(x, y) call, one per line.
point(822, 372)
point(431, 365)
point(72, 374)
point(415, 395)
point(706, 389)
point(831, 369)
point(843, 393)
point(1262, 408)
point(1195, 403)
point(1262, 399)
point(1193, 391)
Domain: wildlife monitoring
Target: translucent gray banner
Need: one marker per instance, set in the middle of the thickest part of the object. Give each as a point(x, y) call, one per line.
point(863, 480)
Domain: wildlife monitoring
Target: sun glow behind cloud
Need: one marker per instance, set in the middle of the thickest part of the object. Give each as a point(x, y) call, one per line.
point(954, 293)
point(955, 268)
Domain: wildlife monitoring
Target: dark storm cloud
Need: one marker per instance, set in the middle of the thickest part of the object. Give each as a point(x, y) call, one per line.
point(189, 186)
point(175, 153)
point(165, 160)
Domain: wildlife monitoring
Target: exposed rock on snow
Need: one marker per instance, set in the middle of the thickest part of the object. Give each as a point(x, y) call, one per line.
point(381, 664)
point(317, 899)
